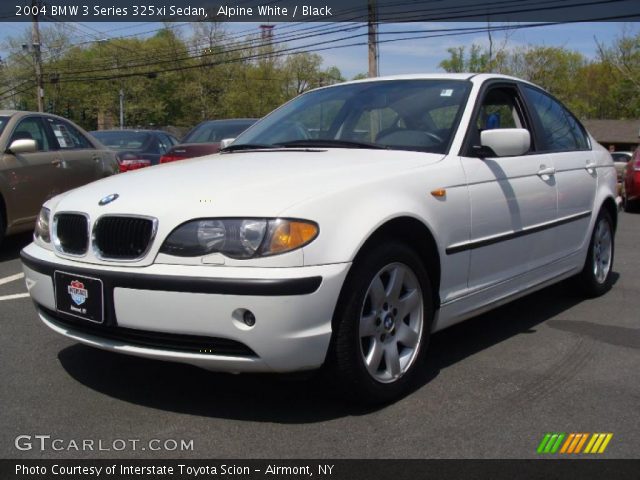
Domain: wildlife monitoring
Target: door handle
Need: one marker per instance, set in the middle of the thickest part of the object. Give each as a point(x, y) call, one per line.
point(591, 166)
point(56, 162)
point(546, 171)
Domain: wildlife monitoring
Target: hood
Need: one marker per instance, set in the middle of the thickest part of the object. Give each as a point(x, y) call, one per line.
point(254, 184)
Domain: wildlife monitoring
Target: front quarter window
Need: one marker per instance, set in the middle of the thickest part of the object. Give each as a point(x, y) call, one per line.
point(420, 115)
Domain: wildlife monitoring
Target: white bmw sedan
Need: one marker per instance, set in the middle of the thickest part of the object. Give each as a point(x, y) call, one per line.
point(339, 231)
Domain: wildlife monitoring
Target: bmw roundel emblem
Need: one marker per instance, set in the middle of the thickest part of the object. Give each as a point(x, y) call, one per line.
point(108, 199)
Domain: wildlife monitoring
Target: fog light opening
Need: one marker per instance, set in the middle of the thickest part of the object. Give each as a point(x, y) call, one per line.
point(249, 318)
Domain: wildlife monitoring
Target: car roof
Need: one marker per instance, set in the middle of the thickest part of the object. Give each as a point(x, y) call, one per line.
point(25, 112)
point(473, 77)
point(232, 120)
point(128, 130)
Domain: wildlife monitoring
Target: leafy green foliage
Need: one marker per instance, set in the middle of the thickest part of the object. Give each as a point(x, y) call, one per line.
point(606, 88)
point(166, 79)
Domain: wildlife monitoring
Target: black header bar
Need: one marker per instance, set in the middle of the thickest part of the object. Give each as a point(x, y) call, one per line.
point(278, 11)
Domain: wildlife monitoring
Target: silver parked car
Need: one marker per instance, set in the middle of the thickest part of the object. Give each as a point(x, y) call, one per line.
point(43, 155)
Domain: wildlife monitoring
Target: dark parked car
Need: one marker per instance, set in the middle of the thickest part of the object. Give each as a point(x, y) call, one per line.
point(205, 138)
point(136, 148)
point(42, 155)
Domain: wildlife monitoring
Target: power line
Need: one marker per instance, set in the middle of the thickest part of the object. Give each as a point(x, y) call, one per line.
point(252, 43)
point(450, 32)
point(467, 9)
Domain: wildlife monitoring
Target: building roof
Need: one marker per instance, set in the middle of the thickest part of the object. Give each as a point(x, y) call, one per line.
point(614, 131)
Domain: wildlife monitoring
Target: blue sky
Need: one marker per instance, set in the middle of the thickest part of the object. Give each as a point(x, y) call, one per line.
point(412, 56)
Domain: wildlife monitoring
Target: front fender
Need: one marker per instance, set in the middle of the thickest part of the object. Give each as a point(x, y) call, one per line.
point(348, 218)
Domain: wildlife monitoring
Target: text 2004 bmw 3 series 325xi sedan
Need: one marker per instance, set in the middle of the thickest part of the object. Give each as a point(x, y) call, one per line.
point(339, 231)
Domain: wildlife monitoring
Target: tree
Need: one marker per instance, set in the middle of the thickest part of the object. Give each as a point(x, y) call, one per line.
point(623, 60)
point(167, 79)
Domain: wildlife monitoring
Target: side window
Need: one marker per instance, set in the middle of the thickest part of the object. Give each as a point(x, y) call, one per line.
point(67, 136)
point(501, 107)
point(32, 128)
point(560, 130)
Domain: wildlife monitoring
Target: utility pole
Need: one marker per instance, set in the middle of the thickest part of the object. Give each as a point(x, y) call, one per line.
point(373, 39)
point(37, 57)
point(121, 109)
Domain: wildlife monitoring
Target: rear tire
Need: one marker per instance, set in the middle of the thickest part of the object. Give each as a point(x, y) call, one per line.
point(2, 225)
point(382, 325)
point(595, 278)
point(625, 203)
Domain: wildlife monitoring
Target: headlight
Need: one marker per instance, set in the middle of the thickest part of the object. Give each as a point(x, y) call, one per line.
point(239, 238)
point(41, 234)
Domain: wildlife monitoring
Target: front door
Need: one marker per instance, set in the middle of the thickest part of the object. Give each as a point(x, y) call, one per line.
point(512, 198)
point(32, 177)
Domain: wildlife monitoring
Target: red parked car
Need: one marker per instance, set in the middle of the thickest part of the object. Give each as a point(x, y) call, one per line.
point(205, 138)
point(631, 182)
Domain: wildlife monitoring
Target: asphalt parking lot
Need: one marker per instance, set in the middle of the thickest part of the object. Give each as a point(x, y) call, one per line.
point(550, 362)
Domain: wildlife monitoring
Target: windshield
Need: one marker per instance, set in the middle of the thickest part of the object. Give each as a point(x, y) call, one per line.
point(214, 132)
point(621, 157)
point(399, 114)
point(3, 123)
point(122, 140)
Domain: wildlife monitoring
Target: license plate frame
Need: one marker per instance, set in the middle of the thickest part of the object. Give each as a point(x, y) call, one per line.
point(79, 296)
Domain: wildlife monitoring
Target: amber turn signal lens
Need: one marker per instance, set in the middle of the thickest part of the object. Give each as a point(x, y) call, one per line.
point(291, 234)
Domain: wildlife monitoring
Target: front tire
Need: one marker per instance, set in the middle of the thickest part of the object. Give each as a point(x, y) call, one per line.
point(595, 278)
point(382, 325)
point(625, 202)
point(2, 226)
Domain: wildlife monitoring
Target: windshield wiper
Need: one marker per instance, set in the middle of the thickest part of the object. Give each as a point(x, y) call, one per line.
point(328, 143)
point(247, 146)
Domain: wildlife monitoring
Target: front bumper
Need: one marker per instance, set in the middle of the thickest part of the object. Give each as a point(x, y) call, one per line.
point(189, 314)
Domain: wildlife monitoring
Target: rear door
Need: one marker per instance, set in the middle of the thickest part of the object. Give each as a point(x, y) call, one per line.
point(82, 162)
point(562, 136)
point(33, 177)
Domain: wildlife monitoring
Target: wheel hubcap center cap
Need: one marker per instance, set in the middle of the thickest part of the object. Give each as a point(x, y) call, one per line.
point(388, 322)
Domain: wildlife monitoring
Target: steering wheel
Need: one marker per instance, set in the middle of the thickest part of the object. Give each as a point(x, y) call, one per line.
point(391, 130)
point(434, 136)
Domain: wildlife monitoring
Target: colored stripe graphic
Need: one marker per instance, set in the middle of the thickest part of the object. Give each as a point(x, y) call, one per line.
point(598, 443)
point(551, 442)
point(556, 446)
point(581, 443)
point(572, 443)
point(543, 443)
point(568, 442)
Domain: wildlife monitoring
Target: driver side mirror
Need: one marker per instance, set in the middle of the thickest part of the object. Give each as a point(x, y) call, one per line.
point(23, 145)
point(503, 142)
point(225, 142)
